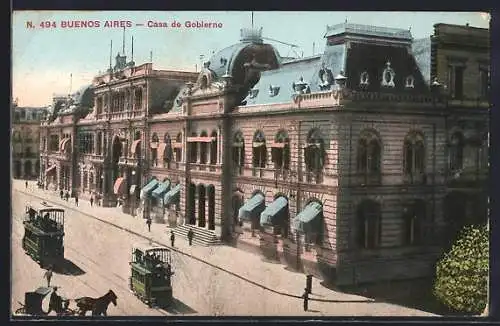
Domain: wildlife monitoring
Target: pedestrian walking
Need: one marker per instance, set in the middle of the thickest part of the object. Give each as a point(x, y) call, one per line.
point(48, 275)
point(172, 237)
point(190, 236)
point(26, 184)
point(61, 193)
point(91, 200)
point(76, 200)
point(148, 222)
point(67, 196)
point(306, 299)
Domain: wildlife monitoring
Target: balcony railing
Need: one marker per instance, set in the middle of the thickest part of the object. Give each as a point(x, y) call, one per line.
point(120, 115)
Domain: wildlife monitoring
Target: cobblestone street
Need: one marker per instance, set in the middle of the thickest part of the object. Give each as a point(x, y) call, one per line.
point(217, 280)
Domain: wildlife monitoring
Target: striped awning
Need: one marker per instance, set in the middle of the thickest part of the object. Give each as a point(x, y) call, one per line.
point(119, 186)
point(162, 189)
point(146, 191)
point(64, 144)
point(135, 144)
point(275, 212)
point(50, 169)
point(252, 208)
point(309, 219)
point(173, 196)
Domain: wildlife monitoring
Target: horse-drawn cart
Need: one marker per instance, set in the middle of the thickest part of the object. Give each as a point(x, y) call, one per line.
point(33, 304)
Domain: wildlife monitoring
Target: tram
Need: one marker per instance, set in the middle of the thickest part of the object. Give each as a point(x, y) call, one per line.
point(151, 274)
point(44, 233)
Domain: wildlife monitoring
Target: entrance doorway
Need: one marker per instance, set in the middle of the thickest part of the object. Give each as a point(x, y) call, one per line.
point(28, 169)
point(211, 207)
point(115, 157)
point(201, 206)
point(190, 207)
point(17, 169)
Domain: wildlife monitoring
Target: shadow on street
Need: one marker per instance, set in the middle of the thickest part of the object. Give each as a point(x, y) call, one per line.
point(67, 267)
point(416, 294)
point(178, 307)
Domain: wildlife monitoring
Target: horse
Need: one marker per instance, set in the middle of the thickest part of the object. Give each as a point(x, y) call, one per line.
point(98, 306)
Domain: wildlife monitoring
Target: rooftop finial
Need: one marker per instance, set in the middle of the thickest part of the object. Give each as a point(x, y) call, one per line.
point(123, 43)
point(252, 19)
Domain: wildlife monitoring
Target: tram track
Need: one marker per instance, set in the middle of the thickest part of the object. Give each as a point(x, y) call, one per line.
point(87, 266)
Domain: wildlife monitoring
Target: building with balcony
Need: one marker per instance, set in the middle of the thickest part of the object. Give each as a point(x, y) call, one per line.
point(25, 140)
point(358, 164)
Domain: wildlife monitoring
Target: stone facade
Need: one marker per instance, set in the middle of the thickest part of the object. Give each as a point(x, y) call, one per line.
point(25, 141)
point(350, 164)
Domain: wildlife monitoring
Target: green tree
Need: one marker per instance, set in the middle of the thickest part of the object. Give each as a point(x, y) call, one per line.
point(462, 274)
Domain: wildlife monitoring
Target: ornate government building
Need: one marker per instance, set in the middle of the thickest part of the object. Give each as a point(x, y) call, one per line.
point(358, 164)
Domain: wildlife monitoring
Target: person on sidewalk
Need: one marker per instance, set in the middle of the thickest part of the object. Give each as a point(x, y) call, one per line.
point(76, 199)
point(148, 222)
point(190, 236)
point(91, 201)
point(26, 184)
point(306, 299)
point(61, 193)
point(172, 237)
point(48, 275)
point(66, 196)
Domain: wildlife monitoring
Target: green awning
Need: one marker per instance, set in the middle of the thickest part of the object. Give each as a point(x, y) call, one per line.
point(309, 219)
point(162, 189)
point(252, 208)
point(274, 212)
point(173, 196)
point(147, 189)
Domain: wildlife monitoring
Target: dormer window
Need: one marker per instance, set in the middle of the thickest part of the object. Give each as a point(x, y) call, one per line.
point(409, 82)
point(388, 76)
point(364, 79)
point(273, 90)
point(253, 93)
point(326, 77)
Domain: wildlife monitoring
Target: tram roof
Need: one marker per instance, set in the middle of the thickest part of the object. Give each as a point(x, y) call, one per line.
point(44, 206)
point(145, 247)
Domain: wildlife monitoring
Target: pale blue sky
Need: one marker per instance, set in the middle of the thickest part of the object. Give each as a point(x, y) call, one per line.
point(43, 59)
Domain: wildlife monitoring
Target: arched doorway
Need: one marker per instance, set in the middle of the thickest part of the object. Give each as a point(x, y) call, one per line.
point(211, 207)
point(27, 169)
point(190, 207)
point(455, 213)
point(17, 169)
point(236, 202)
point(201, 206)
point(115, 157)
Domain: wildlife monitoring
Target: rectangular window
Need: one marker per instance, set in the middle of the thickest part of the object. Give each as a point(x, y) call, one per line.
point(456, 81)
point(484, 83)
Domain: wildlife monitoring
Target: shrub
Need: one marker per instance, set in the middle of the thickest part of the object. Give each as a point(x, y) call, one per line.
point(462, 274)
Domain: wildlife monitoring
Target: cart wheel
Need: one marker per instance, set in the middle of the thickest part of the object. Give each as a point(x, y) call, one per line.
point(20, 311)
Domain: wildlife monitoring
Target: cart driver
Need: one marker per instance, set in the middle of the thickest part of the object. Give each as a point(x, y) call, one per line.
point(55, 303)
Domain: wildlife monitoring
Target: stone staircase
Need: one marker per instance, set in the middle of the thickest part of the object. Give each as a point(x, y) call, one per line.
point(202, 236)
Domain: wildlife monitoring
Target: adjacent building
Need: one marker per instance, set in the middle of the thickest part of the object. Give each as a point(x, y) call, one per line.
point(25, 141)
point(358, 164)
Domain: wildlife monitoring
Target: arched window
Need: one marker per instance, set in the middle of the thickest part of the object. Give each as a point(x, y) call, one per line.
point(414, 155)
point(314, 151)
point(259, 150)
point(154, 149)
point(456, 151)
point(280, 151)
point(167, 151)
point(138, 99)
point(414, 216)
point(368, 224)
point(203, 149)
point(178, 148)
point(213, 148)
point(193, 150)
point(238, 152)
point(369, 154)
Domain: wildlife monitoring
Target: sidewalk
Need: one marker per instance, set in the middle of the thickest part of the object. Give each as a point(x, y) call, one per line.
point(248, 266)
